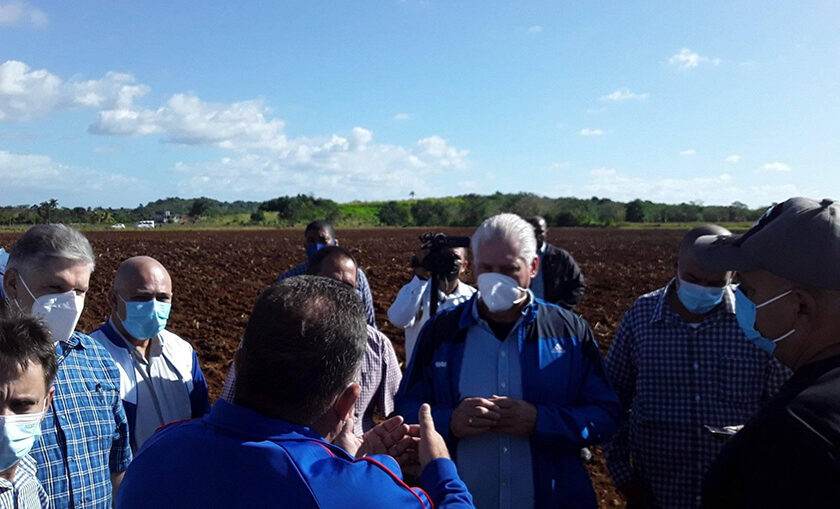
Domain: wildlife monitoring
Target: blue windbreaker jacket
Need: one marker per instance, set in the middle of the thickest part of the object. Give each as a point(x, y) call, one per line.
point(562, 376)
point(235, 457)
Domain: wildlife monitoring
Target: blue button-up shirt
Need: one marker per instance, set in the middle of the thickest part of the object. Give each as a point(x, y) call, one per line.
point(496, 468)
point(85, 432)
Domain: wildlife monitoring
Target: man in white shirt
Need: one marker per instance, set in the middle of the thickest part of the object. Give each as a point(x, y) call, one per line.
point(160, 378)
point(410, 310)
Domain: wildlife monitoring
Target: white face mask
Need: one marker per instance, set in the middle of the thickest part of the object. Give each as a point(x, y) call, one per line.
point(500, 292)
point(60, 311)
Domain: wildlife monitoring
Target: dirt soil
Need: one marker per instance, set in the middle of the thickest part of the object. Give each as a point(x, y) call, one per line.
point(217, 276)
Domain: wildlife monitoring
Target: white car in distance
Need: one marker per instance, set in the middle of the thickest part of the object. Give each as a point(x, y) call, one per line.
point(145, 224)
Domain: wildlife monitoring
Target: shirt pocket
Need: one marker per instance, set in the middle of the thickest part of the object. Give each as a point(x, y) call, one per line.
point(740, 380)
point(97, 416)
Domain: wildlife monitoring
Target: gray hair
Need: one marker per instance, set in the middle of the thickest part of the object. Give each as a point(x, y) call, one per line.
point(509, 227)
point(46, 241)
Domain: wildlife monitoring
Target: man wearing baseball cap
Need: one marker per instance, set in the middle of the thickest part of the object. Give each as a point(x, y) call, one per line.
point(788, 302)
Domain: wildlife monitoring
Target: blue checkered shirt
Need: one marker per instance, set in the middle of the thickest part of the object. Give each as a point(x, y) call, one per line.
point(85, 432)
point(25, 492)
point(362, 288)
point(672, 380)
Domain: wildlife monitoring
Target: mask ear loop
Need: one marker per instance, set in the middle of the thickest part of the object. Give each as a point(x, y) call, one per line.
point(26, 287)
point(774, 299)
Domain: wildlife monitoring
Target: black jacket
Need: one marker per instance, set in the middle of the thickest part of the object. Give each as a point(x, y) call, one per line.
point(788, 455)
point(562, 279)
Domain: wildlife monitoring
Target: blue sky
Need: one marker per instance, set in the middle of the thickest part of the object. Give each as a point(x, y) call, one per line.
point(119, 103)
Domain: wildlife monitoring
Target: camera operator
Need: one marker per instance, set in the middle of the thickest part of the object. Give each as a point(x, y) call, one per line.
point(410, 309)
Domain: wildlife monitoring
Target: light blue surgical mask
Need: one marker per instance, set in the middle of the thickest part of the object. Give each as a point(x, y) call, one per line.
point(18, 434)
point(145, 319)
point(745, 311)
point(699, 299)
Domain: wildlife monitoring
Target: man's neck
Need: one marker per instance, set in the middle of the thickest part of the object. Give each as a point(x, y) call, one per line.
point(508, 316)
point(9, 473)
point(450, 287)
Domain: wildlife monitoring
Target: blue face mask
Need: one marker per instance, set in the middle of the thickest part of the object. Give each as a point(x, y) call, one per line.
point(699, 299)
point(745, 311)
point(18, 434)
point(311, 249)
point(145, 319)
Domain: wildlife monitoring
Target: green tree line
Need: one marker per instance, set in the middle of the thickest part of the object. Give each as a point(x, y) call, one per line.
point(464, 210)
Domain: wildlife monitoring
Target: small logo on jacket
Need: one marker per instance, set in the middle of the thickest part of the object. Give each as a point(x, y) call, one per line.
point(557, 349)
point(440, 364)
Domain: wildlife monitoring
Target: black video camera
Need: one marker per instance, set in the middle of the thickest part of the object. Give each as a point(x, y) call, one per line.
point(442, 264)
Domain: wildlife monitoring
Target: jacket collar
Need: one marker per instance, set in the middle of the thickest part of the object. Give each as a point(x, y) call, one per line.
point(469, 315)
point(116, 337)
point(244, 421)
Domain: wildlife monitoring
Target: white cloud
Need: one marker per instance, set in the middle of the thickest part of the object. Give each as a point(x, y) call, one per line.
point(187, 120)
point(688, 152)
point(591, 132)
point(732, 158)
point(32, 178)
point(536, 29)
point(624, 94)
point(26, 93)
point(777, 166)
point(267, 161)
point(336, 168)
point(19, 13)
point(402, 116)
point(687, 59)
point(560, 166)
point(608, 182)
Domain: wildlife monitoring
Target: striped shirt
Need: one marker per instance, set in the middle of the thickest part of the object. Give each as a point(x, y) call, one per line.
point(673, 378)
point(362, 288)
point(85, 431)
point(25, 492)
point(379, 378)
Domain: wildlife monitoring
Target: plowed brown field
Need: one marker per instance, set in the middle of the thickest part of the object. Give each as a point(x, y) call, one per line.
point(217, 275)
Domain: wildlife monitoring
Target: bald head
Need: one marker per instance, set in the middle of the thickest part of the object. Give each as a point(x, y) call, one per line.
point(141, 278)
point(687, 244)
point(689, 267)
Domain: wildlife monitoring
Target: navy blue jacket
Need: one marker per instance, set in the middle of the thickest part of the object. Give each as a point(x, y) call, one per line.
point(562, 376)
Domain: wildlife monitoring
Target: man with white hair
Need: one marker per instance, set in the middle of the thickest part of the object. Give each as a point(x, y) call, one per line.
point(788, 454)
point(84, 449)
point(516, 384)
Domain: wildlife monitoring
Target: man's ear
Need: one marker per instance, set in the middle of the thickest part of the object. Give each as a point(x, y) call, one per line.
point(344, 403)
point(11, 280)
point(535, 267)
point(112, 300)
point(50, 394)
point(807, 311)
